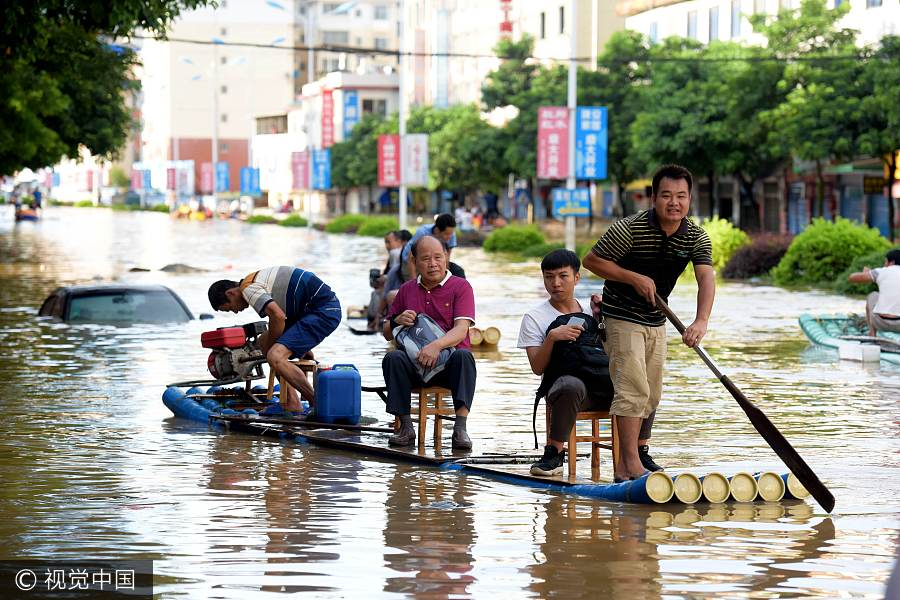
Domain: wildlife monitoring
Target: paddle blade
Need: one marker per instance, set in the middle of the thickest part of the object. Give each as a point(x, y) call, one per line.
point(782, 447)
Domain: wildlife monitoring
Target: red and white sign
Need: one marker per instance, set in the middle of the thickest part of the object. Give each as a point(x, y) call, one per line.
point(137, 178)
point(207, 177)
point(89, 181)
point(553, 142)
point(327, 119)
point(389, 160)
point(300, 170)
point(171, 182)
point(415, 159)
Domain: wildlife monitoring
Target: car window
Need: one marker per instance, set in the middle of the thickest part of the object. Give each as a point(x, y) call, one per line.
point(157, 306)
point(52, 306)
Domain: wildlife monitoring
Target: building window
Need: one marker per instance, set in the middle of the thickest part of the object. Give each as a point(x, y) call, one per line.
point(562, 19)
point(381, 12)
point(358, 41)
point(224, 60)
point(381, 43)
point(223, 89)
point(223, 147)
point(378, 107)
point(692, 24)
point(358, 13)
point(275, 124)
point(713, 23)
point(336, 37)
point(735, 18)
point(223, 31)
point(329, 6)
point(223, 117)
point(873, 3)
point(543, 30)
point(759, 7)
point(223, 3)
point(784, 5)
point(654, 35)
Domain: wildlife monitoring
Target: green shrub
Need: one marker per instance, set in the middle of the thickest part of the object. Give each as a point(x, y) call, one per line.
point(758, 257)
point(160, 208)
point(261, 219)
point(541, 250)
point(824, 250)
point(119, 178)
point(725, 238)
point(513, 238)
point(871, 260)
point(85, 204)
point(378, 226)
point(345, 223)
point(293, 221)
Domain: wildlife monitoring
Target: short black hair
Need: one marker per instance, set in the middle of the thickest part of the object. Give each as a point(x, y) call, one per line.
point(456, 270)
point(414, 249)
point(671, 172)
point(894, 256)
point(403, 235)
point(217, 291)
point(557, 259)
point(444, 222)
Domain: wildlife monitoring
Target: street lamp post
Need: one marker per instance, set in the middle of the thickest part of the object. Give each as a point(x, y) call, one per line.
point(401, 62)
point(215, 128)
point(572, 101)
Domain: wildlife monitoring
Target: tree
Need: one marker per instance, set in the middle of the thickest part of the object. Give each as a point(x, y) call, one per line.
point(881, 113)
point(63, 84)
point(819, 117)
point(513, 77)
point(466, 153)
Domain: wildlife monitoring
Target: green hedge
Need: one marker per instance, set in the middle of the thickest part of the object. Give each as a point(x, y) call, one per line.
point(871, 260)
point(378, 226)
point(826, 249)
point(726, 239)
point(293, 221)
point(513, 238)
point(346, 223)
point(261, 219)
point(85, 204)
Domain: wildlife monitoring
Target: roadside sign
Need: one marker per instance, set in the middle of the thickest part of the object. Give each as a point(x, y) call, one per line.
point(300, 170)
point(321, 169)
point(571, 202)
point(553, 142)
point(414, 171)
point(250, 181)
point(351, 111)
point(389, 160)
point(591, 133)
point(222, 176)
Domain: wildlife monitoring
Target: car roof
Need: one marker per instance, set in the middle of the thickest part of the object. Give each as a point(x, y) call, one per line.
point(92, 288)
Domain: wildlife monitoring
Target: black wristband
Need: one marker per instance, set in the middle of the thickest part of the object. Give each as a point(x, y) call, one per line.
point(394, 323)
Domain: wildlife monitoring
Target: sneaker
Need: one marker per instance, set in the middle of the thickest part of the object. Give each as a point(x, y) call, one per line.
point(405, 437)
point(551, 463)
point(646, 459)
point(460, 439)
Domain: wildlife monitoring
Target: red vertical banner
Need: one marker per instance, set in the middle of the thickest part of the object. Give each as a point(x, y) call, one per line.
point(171, 183)
point(300, 170)
point(553, 142)
point(389, 160)
point(136, 179)
point(327, 119)
point(207, 177)
point(89, 183)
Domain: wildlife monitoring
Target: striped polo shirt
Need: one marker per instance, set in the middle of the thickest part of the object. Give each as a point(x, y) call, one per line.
point(296, 291)
point(638, 243)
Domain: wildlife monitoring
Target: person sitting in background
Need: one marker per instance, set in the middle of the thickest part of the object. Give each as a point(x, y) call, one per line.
point(302, 312)
point(444, 228)
point(450, 302)
point(883, 306)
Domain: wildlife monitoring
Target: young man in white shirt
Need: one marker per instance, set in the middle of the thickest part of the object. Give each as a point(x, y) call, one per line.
point(883, 306)
point(568, 395)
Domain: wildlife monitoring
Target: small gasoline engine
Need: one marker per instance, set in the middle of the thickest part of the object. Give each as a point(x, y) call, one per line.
point(235, 355)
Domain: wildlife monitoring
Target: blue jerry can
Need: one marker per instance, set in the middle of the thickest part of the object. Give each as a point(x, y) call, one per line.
point(338, 395)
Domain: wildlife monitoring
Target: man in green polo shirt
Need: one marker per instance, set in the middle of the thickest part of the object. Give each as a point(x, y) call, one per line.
point(640, 256)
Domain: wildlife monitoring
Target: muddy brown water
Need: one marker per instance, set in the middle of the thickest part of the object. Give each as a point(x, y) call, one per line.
point(94, 466)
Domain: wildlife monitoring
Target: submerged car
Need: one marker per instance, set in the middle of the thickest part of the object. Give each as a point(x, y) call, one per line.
point(116, 304)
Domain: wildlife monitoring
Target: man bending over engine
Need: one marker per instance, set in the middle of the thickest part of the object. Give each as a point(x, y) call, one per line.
point(302, 312)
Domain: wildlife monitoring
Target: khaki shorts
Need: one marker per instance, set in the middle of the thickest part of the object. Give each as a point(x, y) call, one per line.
point(637, 354)
point(878, 322)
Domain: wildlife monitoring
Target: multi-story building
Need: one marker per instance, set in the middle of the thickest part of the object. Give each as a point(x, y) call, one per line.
point(217, 71)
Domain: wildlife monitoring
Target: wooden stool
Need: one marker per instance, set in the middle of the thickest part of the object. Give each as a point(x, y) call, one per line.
point(595, 439)
point(307, 366)
point(438, 410)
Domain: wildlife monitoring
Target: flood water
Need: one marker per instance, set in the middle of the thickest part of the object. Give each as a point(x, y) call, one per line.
point(94, 466)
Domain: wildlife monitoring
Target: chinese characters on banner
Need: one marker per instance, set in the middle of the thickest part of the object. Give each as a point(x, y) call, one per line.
point(223, 176)
point(250, 181)
point(300, 170)
point(553, 142)
point(170, 178)
point(351, 111)
point(591, 130)
point(327, 119)
point(206, 177)
point(414, 169)
point(389, 160)
point(321, 169)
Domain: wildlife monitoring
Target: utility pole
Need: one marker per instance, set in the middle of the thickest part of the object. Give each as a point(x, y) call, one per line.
point(572, 101)
point(215, 129)
point(401, 62)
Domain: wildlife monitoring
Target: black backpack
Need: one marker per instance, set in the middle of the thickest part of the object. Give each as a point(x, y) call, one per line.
point(584, 358)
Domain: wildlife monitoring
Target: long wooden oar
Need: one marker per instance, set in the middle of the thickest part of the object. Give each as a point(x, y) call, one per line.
point(763, 425)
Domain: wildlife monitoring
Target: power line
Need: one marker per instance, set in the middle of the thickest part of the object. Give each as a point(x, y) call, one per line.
point(584, 59)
